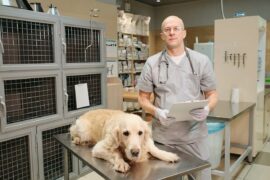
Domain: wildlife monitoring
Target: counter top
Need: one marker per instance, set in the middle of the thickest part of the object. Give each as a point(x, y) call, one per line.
point(227, 111)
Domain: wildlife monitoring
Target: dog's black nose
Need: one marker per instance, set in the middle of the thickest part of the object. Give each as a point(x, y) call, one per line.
point(135, 152)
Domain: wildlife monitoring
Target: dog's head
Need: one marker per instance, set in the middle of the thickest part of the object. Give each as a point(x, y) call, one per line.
point(132, 135)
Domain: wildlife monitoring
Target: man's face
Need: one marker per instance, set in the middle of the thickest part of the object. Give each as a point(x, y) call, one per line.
point(173, 33)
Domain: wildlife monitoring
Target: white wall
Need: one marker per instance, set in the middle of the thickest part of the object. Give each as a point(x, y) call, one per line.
point(81, 10)
point(204, 12)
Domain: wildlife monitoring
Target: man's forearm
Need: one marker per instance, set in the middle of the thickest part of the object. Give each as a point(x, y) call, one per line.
point(144, 101)
point(212, 97)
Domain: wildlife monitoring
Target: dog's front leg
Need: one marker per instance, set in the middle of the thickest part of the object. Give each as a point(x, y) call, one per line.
point(160, 154)
point(111, 154)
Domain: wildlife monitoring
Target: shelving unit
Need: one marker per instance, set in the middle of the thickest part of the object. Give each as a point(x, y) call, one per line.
point(133, 49)
point(132, 53)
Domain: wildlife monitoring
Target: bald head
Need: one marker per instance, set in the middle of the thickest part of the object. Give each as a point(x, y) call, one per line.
point(170, 19)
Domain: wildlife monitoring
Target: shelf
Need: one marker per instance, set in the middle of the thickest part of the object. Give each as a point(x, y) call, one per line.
point(138, 35)
point(129, 56)
point(133, 72)
point(137, 60)
point(126, 72)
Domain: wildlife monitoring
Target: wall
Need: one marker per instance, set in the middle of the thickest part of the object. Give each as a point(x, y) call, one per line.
point(81, 10)
point(204, 12)
point(199, 17)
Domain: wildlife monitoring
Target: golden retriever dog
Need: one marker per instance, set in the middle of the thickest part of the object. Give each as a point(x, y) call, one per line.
point(120, 138)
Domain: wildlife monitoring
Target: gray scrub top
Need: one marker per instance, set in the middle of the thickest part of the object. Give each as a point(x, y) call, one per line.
point(173, 83)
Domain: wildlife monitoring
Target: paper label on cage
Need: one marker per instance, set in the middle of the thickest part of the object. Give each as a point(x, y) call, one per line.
point(111, 48)
point(82, 98)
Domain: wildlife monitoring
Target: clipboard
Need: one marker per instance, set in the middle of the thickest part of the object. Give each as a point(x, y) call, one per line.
point(180, 111)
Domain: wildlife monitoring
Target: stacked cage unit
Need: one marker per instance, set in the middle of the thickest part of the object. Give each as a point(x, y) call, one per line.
point(42, 58)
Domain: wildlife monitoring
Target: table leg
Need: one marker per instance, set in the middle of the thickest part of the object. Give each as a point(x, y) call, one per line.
point(250, 133)
point(66, 174)
point(227, 175)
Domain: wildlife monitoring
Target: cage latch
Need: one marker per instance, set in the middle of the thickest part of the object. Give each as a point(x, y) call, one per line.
point(3, 109)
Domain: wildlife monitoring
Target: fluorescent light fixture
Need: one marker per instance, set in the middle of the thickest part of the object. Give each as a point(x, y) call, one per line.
point(158, 1)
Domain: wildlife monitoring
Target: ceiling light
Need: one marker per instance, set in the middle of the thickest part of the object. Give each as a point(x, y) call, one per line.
point(158, 1)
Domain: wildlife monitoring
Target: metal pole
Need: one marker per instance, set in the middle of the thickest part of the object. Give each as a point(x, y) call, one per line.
point(66, 174)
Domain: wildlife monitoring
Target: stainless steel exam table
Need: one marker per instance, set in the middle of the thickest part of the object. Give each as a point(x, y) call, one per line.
point(150, 170)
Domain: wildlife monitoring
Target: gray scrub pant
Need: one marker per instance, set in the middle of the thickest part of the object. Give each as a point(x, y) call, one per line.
point(199, 149)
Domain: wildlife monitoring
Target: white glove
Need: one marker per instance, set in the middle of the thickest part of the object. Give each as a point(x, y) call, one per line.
point(162, 116)
point(200, 114)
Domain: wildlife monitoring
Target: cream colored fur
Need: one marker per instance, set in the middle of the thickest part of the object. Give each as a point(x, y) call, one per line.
point(119, 138)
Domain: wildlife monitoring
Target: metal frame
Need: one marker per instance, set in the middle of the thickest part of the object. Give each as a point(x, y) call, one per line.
point(32, 147)
point(46, 119)
point(75, 72)
point(247, 149)
point(50, 126)
point(82, 24)
point(83, 170)
point(32, 16)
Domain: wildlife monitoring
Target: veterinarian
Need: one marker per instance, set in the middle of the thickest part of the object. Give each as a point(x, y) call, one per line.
point(178, 74)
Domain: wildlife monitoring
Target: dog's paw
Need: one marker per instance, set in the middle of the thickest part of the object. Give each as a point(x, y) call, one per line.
point(121, 166)
point(76, 140)
point(171, 157)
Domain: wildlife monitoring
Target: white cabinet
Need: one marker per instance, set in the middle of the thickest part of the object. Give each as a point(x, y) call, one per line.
point(240, 63)
point(266, 117)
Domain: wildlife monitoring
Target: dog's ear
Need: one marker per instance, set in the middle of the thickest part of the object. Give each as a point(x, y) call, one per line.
point(116, 136)
point(147, 131)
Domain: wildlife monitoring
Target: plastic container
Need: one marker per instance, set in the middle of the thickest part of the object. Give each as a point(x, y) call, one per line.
point(215, 142)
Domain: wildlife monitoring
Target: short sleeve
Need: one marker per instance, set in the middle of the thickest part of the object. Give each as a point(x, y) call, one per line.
point(208, 81)
point(145, 81)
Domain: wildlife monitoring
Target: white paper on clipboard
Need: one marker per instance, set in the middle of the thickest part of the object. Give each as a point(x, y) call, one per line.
point(180, 111)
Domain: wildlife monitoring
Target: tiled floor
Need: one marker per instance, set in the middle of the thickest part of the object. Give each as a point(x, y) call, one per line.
point(258, 170)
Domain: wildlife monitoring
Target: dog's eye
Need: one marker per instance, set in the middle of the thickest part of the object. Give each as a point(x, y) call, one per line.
point(126, 133)
point(140, 133)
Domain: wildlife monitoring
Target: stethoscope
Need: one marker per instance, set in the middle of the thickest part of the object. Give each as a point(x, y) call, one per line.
point(164, 61)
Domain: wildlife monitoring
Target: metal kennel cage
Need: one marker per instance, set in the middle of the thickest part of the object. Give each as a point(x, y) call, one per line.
point(82, 45)
point(52, 153)
point(29, 40)
point(26, 42)
point(31, 99)
point(77, 40)
point(42, 58)
point(95, 80)
point(16, 150)
point(18, 155)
